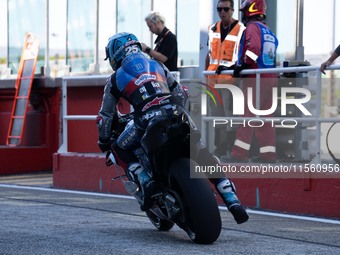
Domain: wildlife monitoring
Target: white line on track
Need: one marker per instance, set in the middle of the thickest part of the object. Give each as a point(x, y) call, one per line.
point(283, 215)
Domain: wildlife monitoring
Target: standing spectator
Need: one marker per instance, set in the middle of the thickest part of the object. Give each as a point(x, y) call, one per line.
point(223, 44)
point(257, 50)
point(331, 59)
point(166, 43)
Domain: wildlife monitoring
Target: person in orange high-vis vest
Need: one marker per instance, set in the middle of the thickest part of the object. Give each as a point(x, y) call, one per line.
point(223, 45)
point(224, 38)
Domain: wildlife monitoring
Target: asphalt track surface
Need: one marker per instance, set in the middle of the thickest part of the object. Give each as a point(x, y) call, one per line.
point(43, 220)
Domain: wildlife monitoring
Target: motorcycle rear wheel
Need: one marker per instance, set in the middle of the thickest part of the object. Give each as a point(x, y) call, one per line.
point(202, 216)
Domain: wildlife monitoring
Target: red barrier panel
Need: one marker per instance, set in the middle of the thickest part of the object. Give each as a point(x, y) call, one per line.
point(316, 197)
point(86, 172)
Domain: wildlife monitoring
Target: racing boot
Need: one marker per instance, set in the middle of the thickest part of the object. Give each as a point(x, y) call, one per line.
point(226, 190)
point(146, 183)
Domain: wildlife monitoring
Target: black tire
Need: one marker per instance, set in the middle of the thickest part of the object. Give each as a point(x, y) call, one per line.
point(203, 219)
point(160, 224)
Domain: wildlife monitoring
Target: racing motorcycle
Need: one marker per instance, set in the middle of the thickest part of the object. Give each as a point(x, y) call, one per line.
point(183, 196)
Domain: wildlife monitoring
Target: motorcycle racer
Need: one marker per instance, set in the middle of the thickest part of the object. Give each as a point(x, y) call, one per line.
point(153, 92)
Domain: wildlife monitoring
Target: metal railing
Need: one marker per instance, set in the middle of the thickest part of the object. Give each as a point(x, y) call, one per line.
point(298, 69)
point(99, 80)
point(94, 80)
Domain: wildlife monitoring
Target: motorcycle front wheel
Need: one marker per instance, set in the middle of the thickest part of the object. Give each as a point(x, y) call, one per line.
point(202, 216)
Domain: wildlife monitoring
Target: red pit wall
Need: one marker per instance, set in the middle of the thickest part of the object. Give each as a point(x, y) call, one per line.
point(315, 197)
point(40, 135)
point(86, 172)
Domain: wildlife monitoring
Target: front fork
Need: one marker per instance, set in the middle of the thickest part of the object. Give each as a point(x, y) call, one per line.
point(143, 160)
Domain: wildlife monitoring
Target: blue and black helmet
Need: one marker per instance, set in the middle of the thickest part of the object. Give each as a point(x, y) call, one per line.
point(119, 46)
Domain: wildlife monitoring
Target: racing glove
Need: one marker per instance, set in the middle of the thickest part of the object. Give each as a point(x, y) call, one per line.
point(105, 145)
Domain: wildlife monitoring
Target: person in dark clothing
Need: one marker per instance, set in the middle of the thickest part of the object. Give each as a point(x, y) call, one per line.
point(166, 42)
